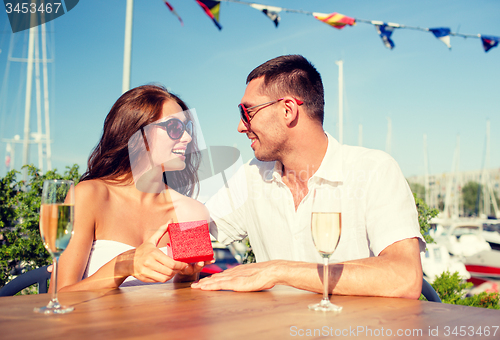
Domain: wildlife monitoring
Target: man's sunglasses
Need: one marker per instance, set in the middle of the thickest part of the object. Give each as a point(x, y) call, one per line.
point(245, 117)
point(175, 128)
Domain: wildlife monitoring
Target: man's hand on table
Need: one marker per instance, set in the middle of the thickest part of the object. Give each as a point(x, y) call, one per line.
point(243, 278)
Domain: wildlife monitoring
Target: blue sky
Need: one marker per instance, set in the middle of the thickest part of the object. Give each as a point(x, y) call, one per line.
point(420, 85)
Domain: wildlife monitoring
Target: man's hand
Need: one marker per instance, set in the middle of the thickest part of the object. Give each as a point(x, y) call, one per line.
point(243, 278)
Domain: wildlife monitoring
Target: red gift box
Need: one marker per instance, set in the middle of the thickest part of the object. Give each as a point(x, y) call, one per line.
point(190, 242)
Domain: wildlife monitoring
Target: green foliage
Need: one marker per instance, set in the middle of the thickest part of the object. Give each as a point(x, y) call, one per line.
point(21, 247)
point(483, 300)
point(418, 190)
point(249, 255)
point(472, 195)
point(424, 216)
point(470, 198)
point(452, 289)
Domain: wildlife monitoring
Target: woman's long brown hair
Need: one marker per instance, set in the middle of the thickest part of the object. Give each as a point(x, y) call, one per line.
point(134, 110)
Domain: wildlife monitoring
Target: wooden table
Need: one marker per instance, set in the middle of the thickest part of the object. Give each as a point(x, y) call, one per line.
point(168, 311)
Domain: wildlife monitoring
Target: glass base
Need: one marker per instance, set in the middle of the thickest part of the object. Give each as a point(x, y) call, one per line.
point(325, 306)
point(54, 307)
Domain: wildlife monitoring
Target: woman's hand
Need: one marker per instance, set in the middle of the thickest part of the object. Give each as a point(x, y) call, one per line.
point(148, 263)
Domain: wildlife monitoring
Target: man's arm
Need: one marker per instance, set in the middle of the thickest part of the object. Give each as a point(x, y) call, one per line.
point(396, 272)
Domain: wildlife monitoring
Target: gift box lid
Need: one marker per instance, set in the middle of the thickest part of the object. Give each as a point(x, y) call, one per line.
point(190, 242)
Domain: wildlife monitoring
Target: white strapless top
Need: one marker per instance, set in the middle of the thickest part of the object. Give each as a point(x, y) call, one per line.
point(104, 251)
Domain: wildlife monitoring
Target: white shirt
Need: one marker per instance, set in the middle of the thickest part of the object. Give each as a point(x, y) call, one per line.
point(378, 208)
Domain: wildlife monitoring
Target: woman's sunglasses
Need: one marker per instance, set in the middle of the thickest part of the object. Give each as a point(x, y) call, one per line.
point(245, 117)
point(175, 128)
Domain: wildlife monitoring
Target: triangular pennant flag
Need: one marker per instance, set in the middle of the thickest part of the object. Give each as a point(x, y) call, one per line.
point(270, 11)
point(336, 20)
point(443, 34)
point(173, 12)
point(489, 42)
point(385, 31)
point(211, 9)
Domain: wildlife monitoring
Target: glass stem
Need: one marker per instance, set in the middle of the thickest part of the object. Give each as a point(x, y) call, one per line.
point(54, 271)
point(326, 279)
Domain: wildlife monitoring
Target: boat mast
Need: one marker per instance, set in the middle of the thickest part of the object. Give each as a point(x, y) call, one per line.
point(426, 172)
point(27, 102)
point(488, 194)
point(340, 63)
point(451, 198)
point(38, 137)
point(38, 134)
point(457, 184)
point(127, 51)
point(48, 149)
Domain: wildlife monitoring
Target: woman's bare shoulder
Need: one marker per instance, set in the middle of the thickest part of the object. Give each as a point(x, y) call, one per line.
point(189, 209)
point(93, 190)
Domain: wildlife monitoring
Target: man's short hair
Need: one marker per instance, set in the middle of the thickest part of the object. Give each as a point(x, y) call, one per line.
point(295, 76)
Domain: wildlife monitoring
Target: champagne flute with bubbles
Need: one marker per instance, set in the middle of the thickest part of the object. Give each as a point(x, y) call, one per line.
point(326, 227)
point(56, 229)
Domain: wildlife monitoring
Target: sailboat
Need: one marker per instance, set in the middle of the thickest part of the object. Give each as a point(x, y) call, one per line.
point(483, 266)
point(491, 233)
point(465, 240)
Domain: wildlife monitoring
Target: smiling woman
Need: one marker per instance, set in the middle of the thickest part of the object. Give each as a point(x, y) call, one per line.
point(166, 146)
point(124, 201)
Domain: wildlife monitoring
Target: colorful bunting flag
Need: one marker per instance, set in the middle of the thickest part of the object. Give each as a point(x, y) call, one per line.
point(336, 20)
point(385, 31)
point(270, 11)
point(489, 42)
point(339, 21)
point(211, 9)
point(443, 34)
point(173, 11)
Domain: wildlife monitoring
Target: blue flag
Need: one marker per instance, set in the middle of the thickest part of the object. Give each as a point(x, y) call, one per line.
point(385, 32)
point(489, 42)
point(443, 34)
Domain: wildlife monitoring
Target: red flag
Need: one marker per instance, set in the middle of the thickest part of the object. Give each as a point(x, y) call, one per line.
point(173, 11)
point(211, 9)
point(336, 20)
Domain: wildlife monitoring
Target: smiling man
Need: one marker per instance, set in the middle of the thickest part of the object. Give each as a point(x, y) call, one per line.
point(270, 197)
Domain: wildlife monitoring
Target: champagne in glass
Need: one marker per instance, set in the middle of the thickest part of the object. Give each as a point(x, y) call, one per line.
point(56, 229)
point(326, 227)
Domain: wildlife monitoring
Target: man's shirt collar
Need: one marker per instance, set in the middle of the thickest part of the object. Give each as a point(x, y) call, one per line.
point(330, 169)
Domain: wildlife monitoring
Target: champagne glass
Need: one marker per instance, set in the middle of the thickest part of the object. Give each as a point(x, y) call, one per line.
point(326, 226)
point(56, 229)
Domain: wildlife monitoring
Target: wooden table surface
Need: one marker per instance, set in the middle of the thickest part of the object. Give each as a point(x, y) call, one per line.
point(168, 311)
